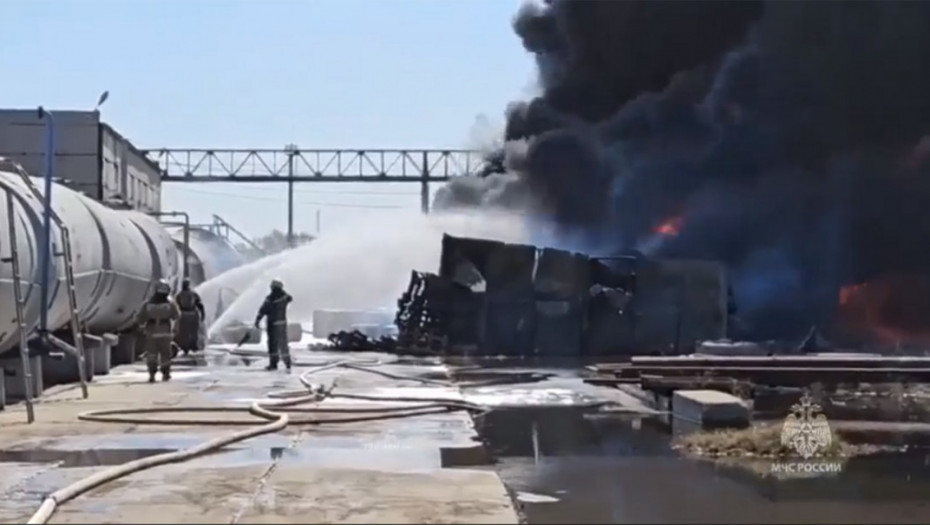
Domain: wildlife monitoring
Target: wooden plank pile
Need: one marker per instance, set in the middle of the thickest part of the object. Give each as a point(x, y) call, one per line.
point(664, 374)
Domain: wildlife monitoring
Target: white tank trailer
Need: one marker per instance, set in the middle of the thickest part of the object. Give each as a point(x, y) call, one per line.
point(208, 254)
point(117, 257)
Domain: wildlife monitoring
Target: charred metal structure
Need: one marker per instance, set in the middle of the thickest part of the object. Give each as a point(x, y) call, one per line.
point(494, 298)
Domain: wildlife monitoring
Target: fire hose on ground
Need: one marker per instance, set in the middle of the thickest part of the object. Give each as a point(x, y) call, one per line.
point(274, 410)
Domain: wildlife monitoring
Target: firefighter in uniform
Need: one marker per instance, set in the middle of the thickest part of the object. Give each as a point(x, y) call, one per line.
point(274, 309)
point(157, 321)
point(192, 315)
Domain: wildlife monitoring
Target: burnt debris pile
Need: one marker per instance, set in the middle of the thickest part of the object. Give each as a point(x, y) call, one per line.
point(789, 140)
point(356, 341)
point(418, 323)
point(497, 299)
point(418, 320)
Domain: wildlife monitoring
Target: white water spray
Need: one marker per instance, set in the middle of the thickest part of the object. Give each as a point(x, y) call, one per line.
point(365, 265)
point(222, 291)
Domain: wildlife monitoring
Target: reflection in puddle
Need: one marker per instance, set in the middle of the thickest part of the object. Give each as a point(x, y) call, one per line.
point(374, 456)
point(516, 397)
point(78, 458)
point(879, 478)
point(140, 375)
point(615, 470)
point(527, 497)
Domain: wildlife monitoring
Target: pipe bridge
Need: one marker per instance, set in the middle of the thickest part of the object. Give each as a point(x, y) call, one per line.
point(292, 164)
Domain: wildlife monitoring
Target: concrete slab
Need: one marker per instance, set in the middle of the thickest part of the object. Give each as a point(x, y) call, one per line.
point(708, 409)
point(125, 350)
point(375, 331)
point(90, 364)
point(188, 496)
point(63, 369)
point(295, 332)
point(13, 385)
point(386, 471)
point(296, 495)
point(103, 359)
point(731, 348)
point(100, 349)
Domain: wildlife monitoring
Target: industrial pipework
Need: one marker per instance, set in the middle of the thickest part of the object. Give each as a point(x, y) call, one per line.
point(207, 254)
point(186, 235)
point(46, 252)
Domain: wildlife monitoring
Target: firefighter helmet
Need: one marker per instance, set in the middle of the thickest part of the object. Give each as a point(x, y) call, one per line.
point(162, 287)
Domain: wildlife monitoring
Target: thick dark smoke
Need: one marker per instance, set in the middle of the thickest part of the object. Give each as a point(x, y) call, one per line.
point(785, 137)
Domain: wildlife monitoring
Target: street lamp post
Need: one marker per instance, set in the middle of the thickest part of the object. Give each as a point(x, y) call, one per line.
point(103, 98)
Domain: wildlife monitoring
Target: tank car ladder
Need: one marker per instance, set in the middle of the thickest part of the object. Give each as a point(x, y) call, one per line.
point(20, 316)
point(73, 307)
point(65, 254)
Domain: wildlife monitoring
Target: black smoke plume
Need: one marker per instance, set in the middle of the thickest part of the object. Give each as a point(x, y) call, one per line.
point(784, 136)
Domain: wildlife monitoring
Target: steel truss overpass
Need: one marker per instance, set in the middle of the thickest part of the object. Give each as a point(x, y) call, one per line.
point(292, 164)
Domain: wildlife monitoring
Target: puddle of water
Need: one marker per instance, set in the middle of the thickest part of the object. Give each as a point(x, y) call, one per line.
point(383, 459)
point(528, 497)
point(139, 441)
point(618, 470)
point(428, 392)
point(386, 455)
point(534, 387)
point(516, 397)
point(78, 458)
point(899, 478)
point(379, 455)
point(142, 376)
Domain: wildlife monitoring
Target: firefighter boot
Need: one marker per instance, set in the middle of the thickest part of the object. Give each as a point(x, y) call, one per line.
point(152, 371)
point(272, 364)
point(165, 373)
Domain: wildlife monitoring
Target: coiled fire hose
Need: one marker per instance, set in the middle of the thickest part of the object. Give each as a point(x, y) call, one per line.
point(274, 410)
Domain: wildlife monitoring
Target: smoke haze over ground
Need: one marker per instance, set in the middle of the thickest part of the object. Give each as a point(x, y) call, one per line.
point(783, 138)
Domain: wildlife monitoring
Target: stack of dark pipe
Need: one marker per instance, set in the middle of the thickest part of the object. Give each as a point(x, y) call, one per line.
point(668, 373)
point(355, 341)
point(418, 323)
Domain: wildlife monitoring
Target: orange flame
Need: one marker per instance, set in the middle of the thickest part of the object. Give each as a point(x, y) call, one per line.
point(890, 309)
point(671, 226)
point(849, 292)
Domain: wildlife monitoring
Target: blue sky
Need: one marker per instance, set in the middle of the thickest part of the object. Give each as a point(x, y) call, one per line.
point(264, 73)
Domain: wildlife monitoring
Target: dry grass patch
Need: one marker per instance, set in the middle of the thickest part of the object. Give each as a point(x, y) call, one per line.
point(759, 441)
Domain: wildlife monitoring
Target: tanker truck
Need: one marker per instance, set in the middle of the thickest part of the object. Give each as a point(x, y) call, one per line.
point(116, 258)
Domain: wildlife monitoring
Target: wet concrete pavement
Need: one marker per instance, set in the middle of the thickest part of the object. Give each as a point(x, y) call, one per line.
point(563, 456)
point(426, 469)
